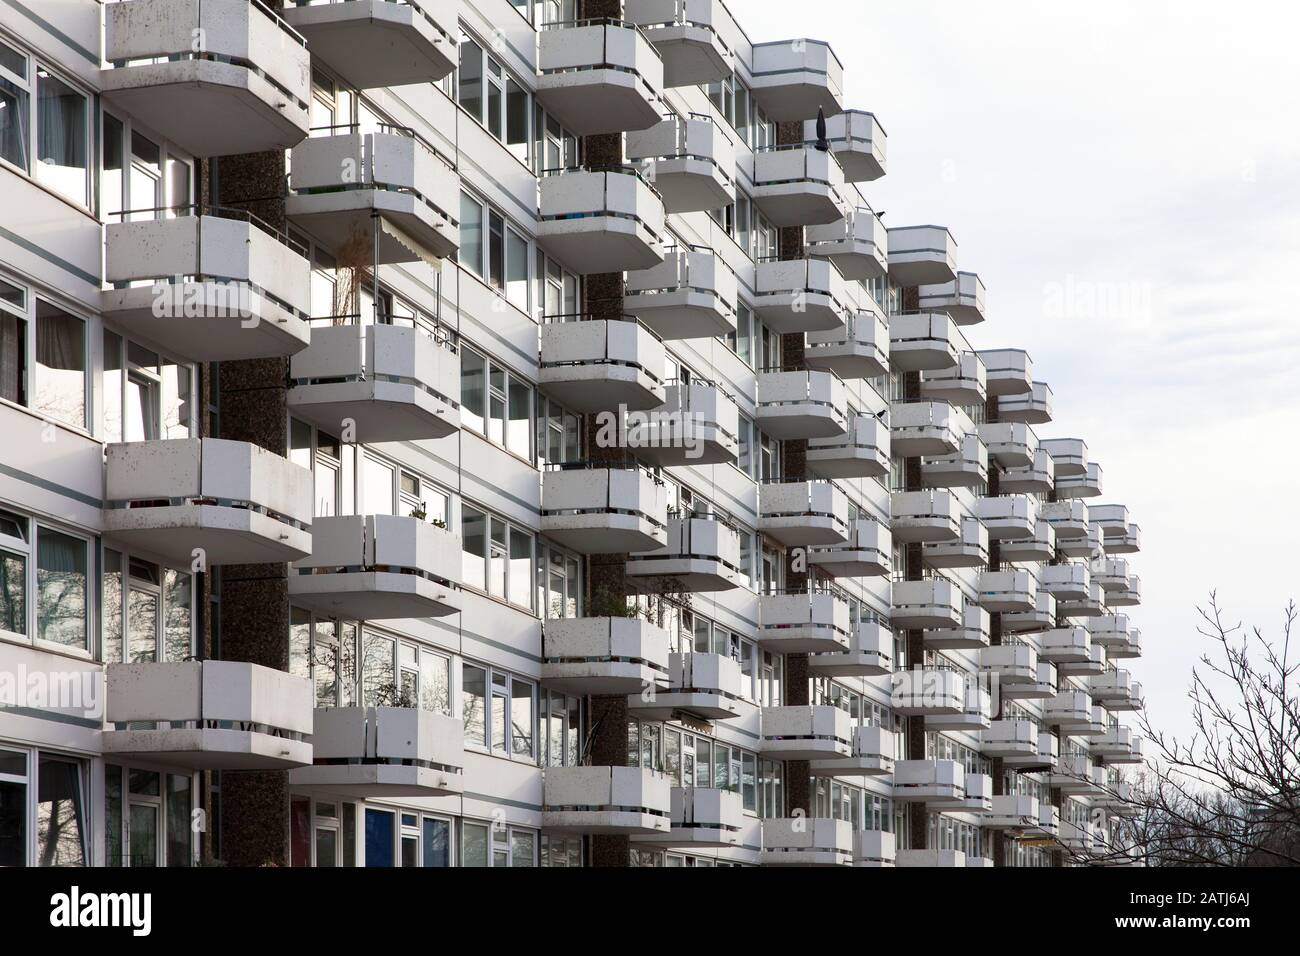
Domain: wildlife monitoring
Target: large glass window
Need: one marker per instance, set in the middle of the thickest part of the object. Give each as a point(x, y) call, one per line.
point(62, 134)
point(497, 557)
point(15, 550)
point(496, 403)
point(146, 396)
point(62, 586)
point(15, 98)
point(60, 365)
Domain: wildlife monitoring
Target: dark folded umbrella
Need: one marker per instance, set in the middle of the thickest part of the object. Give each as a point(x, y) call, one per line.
point(822, 142)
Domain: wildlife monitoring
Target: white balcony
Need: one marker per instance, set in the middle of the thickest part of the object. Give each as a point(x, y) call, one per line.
point(857, 349)
point(685, 34)
point(1009, 737)
point(929, 781)
point(368, 752)
point(1043, 759)
point(595, 800)
point(1010, 444)
point(815, 732)
point(1033, 407)
point(932, 859)
point(1069, 710)
point(1094, 605)
point(704, 816)
point(801, 513)
point(1043, 686)
point(1075, 837)
point(1011, 371)
point(1008, 516)
point(1049, 821)
point(924, 342)
point(1075, 774)
point(690, 160)
point(249, 90)
point(1037, 548)
point(926, 428)
point(1127, 594)
point(930, 515)
point(372, 567)
point(386, 196)
point(931, 603)
point(232, 501)
point(1117, 635)
point(243, 291)
point(596, 510)
point(970, 634)
point(977, 706)
point(928, 692)
point(701, 686)
point(857, 140)
point(962, 298)
point(1036, 478)
point(603, 655)
point(922, 255)
point(960, 384)
point(1117, 745)
point(970, 549)
point(1069, 519)
point(804, 622)
point(378, 43)
point(978, 799)
point(1011, 663)
point(1087, 485)
point(807, 841)
point(1130, 542)
point(1069, 455)
point(800, 295)
point(874, 848)
point(792, 79)
point(388, 382)
point(1087, 545)
point(798, 185)
point(601, 219)
point(1111, 573)
point(857, 243)
point(696, 425)
point(702, 555)
point(1065, 645)
point(803, 404)
point(873, 755)
point(599, 76)
point(1066, 582)
point(1113, 519)
point(1094, 665)
point(966, 468)
point(1040, 617)
point(1012, 811)
point(691, 294)
point(1116, 690)
point(602, 365)
point(867, 553)
point(208, 715)
point(870, 653)
point(861, 452)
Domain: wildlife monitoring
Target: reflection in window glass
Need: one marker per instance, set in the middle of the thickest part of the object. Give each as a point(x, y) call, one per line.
point(474, 844)
point(61, 589)
point(60, 814)
point(473, 704)
point(473, 532)
point(61, 137)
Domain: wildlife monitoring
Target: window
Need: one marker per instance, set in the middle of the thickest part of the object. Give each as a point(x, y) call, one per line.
point(469, 78)
point(497, 557)
point(15, 550)
point(14, 107)
point(147, 611)
point(496, 403)
point(470, 253)
point(559, 582)
point(60, 365)
point(147, 817)
point(494, 250)
point(62, 135)
point(62, 586)
point(558, 735)
point(146, 396)
point(492, 96)
point(60, 827)
point(559, 433)
point(499, 711)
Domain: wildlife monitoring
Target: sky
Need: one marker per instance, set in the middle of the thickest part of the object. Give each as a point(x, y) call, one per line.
point(1125, 178)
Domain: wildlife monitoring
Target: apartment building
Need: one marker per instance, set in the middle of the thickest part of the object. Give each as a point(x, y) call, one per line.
point(501, 433)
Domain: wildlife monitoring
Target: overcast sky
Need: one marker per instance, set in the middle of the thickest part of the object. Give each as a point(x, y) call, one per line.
point(1125, 178)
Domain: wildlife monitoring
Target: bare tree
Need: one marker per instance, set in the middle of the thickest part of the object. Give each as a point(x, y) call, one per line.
point(1229, 794)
